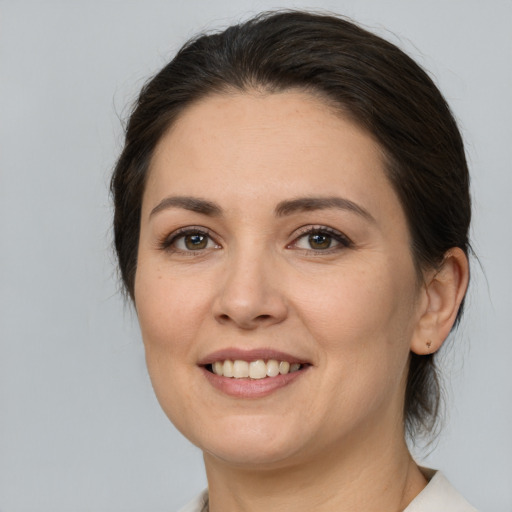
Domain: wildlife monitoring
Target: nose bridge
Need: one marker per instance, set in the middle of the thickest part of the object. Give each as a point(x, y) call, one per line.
point(250, 295)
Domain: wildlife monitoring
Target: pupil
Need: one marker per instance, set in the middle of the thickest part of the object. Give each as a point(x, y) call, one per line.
point(319, 241)
point(195, 242)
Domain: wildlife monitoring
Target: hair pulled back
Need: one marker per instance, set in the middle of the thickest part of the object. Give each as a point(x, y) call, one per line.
point(358, 73)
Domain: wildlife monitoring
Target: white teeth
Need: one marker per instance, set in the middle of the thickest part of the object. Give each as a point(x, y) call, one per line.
point(217, 368)
point(255, 369)
point(240, 369)
point(284, 367)
point(227, 368)
point(272, 368)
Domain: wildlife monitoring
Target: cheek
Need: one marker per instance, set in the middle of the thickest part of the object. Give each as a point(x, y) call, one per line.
point(349, 303)
point(362, 322)
point(363, 332)
point(169, 311)
point(169, 308)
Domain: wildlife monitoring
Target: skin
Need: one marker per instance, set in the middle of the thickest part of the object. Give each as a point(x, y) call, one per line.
point(333, 438)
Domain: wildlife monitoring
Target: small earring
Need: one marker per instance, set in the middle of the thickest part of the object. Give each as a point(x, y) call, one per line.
point(429, 344)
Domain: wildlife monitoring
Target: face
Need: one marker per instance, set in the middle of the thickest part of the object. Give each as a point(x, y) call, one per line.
point(273, 244)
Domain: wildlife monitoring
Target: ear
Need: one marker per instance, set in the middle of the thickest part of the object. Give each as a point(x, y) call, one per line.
point(441, 295)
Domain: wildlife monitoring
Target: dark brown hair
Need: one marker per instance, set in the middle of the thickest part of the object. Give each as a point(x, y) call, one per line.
point(364, 77)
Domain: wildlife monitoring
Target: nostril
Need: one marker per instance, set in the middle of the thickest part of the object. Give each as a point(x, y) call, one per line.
point(249, 314)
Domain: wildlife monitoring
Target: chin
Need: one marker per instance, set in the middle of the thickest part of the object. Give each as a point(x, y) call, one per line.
point(247, 441)
point(253, 457)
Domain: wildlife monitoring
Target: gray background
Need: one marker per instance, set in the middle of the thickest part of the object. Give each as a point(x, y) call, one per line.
point(80, 429)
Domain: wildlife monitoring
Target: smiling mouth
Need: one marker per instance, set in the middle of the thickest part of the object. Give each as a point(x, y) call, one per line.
point(259, 369)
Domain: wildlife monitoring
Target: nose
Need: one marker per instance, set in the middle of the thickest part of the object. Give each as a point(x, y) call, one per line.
point(250, 295)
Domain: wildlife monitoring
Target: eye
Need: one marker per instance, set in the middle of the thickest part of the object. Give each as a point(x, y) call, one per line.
point(320, 239)
point(192, 242)
point(189, 240)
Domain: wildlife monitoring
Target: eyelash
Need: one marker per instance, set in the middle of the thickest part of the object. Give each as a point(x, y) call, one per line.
point(343, 240)
point(168, 243)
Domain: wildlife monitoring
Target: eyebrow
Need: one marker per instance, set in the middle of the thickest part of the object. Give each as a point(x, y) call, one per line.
point(283, 209)
point(194, 204)
point(305, 204)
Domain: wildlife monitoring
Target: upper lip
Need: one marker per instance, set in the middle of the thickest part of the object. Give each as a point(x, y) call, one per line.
point(249, 355)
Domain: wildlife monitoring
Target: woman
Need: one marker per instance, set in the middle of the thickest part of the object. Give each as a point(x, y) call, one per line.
point(291, 221)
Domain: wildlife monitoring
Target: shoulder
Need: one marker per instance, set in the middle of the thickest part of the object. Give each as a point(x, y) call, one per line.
point(439, 495)
point(198, 504)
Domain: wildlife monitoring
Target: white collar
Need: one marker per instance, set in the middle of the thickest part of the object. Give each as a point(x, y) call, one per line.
point(439, 494)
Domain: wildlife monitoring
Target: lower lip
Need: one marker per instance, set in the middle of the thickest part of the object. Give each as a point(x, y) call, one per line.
point(251, 388)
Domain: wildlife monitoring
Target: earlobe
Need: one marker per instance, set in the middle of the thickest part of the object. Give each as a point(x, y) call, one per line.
point(443, 292)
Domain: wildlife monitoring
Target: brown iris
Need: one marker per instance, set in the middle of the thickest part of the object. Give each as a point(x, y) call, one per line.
point(319, 241)
point(196, 241)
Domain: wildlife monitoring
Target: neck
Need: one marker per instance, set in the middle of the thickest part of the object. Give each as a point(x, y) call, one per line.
point(380, 478)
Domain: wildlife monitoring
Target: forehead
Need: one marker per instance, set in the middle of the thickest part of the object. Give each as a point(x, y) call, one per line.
point(269, 146)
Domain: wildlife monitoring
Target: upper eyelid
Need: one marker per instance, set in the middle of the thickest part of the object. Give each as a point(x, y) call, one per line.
point(189, 229)
point(167, 240)
point(318, 228)
point(342, 240)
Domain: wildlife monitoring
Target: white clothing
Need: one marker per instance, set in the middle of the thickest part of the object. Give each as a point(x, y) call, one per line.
point(438, 496)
